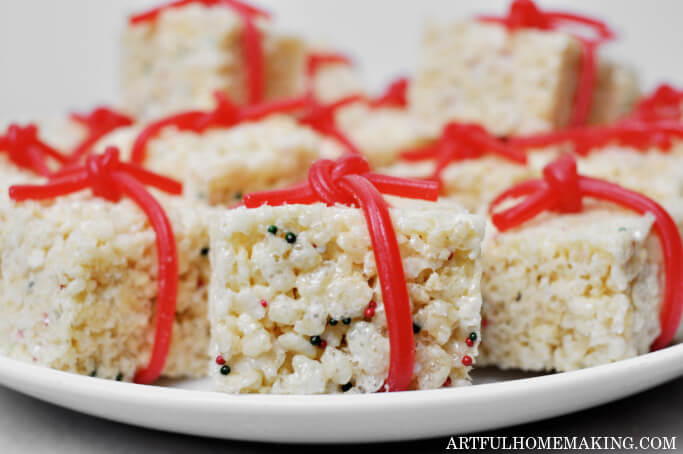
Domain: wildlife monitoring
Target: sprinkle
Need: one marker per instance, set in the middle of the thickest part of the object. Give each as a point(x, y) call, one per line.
point(369, 312)
point(622, 229)
point(333, 322)
point(519, 296)
point(290, 237)
point(238, 195)
point(93, 373)
point(316, 340)
point(31, 284)
point(467, 360)
point(472, 336)
point(450, 256)
point(225, 370)
point(220, 360)
point(447, 383)
point(416, 328)
point(272, 229)
point(469, 342)
point(264, 303)
point(484, 322)
point(372, 304)
point(205, 251)
point(346, 387)
point(119, 376)
point(323, 343)
point(346, 321)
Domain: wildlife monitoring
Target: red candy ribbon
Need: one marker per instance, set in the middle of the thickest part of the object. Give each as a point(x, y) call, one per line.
point(99, 123)
point(459, 142)
point(635, 133)
point(562, 190)
point(225, 115)
point(525, 14)
point(111, 179)
point(348, 181)
point(663, 104)
point(27, 151)
point(252, 41)
point(396, 95)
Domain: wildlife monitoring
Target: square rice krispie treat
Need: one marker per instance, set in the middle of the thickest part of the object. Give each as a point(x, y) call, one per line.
point(178, 60)
point(474, 183)
point(78, 286)
point(219, 165)
point(565, 292)
point(290, 286)
point(511, 83)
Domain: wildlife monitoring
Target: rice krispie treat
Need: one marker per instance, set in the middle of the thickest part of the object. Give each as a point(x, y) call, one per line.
point(80, 288)
point(471, 165)
point(517, 74)
point(578, 289)
point(298, 304)
point(176, 56)
point(219, 165)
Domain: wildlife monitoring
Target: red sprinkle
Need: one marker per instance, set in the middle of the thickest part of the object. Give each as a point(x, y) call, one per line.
point(447, 383)
point(220, 360)
point(467, 360)
point(264, 303)
point(484, 322)
point(369, 312)
point(469, 342)
point(372, 304)
point(323, 343)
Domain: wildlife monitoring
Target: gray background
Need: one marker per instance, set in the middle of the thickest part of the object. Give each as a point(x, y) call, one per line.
point(30, 426)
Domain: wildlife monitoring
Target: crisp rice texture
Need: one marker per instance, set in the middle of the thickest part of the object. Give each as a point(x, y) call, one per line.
point(329, 273)
point(178, 61)
point(570, 291)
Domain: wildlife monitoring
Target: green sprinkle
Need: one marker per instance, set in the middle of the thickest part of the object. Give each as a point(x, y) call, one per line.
point(290, 238)
point(31, 284)
point(238, 195)
point(316, 340)
point(346, 321)
point(225, 370)
point(473, 336)
point(416, 328)
point(205, 251)
point(346, 387)
point(93, 373)
point(333, 322)
point(119, 376)
point(622, 229)
point(272, 229)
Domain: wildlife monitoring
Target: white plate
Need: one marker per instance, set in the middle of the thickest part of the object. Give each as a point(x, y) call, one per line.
point(498, 400)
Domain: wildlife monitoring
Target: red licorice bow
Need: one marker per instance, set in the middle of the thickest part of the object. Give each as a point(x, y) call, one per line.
point(111, 179)
point(348, 181)
point(252, 41)
point(396, 95)
point(459, 142)
point(99, 123)
point(562, 190)
point(525, 14)
point(27, 151)
point(226, 114)
point(663, 104)
point(632, 132)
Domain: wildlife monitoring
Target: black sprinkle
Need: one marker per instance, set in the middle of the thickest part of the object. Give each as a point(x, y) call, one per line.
point(119, 376)
point(346, 387)
point(346, 321)
point(519, 296)
point(416, 328)
point(316, 340)
point(205, 251)
point(473, 336)
point(333, 322)
point(225, 370)
point(31, 284)
point(93, 373)
point(272, 229)
point(290, 238)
